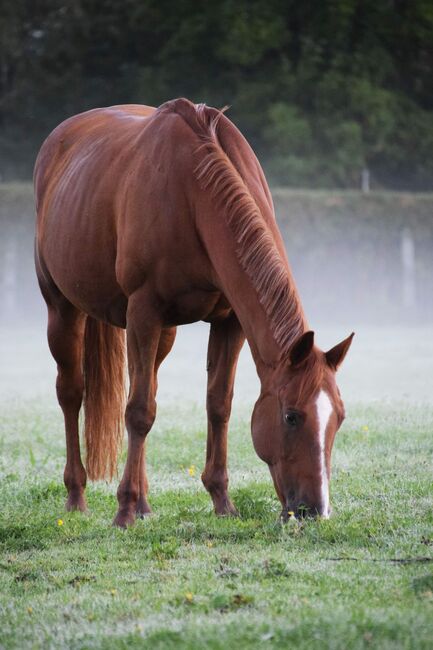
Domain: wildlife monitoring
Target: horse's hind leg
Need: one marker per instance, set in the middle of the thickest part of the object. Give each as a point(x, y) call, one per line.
point(225, 342)
point(165, 344)
point(65, 338)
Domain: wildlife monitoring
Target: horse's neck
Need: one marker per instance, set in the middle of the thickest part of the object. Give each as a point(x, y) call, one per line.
point(243, 241)
point(259, 285)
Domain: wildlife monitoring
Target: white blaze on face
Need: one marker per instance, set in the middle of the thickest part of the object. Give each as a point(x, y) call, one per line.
point(324, 410)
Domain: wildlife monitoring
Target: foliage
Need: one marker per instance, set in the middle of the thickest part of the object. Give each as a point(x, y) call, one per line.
point(186, 579)
point(319, 88)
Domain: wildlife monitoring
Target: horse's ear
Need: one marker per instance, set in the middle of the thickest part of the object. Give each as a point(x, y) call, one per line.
point(301, 348)
point(335, 356)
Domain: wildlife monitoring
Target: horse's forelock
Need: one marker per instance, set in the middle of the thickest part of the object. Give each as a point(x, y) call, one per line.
point(311, 376)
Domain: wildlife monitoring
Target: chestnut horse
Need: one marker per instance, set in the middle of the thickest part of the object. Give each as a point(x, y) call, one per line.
point(148, 219)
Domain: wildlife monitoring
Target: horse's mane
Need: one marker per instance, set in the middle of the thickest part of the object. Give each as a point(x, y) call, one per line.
point(255, 244)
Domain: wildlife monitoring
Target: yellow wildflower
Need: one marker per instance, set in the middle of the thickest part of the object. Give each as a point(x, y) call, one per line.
point(189, 597)
point(291, 513)
point(60, 522)
point(191, 470)
point(30, 610)
point(113, 592)
point(209, 544)
point(365, 428)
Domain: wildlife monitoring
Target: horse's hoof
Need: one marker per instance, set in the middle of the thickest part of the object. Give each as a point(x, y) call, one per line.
point(124, 519)
point(142, 509)
point(143, 515)
point(226, 509)
point(76, 504)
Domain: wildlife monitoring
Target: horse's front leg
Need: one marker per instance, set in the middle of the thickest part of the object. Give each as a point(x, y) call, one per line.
point(143, 336)
point(225, 342)
point(166, 341)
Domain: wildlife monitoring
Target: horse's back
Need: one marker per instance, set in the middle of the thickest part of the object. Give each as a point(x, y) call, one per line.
point(116, 123)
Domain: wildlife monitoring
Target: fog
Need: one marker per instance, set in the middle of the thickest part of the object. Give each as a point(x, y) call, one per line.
point(391, 357)
point(383, 364)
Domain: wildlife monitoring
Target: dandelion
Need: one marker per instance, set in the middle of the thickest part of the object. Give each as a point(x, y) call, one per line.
point(30, 610)
point(191, 470)
point(60, 522)
point(209, 544)
point(189, 597)
point(365, 428)
point(113, 592)
point(292, 522)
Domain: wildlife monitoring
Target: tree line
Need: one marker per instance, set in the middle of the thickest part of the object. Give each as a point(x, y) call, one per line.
point(321, 88)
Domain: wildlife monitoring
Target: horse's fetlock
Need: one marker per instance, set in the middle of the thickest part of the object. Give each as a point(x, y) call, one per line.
point(75, 479)
point(74, 484)
point(216, 482)
point(126, 496)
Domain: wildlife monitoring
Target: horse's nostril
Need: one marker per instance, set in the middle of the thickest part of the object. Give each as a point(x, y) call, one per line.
point(302, 511)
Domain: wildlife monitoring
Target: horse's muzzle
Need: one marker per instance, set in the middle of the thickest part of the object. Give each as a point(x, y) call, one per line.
point(303, 511)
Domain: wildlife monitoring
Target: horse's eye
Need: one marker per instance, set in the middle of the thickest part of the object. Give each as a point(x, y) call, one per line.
point(292, 419)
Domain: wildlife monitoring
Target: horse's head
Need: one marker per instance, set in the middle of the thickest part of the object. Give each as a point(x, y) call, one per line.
point(294, 423)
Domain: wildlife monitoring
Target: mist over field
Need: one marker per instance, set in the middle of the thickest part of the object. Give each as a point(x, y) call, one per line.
point(361, 263)
point(329, 95)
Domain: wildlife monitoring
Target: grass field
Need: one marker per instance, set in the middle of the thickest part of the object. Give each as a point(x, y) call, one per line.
point(185, 579)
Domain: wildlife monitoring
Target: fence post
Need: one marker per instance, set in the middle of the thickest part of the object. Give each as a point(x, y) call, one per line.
point(408, 263)
point(365, 180)
point(9, 289)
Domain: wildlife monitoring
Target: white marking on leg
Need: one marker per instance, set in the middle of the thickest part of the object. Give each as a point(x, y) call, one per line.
point(324, 410)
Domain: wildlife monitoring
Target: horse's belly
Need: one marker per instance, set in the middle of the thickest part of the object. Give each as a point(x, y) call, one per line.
point(193, 306)
point(84, 273)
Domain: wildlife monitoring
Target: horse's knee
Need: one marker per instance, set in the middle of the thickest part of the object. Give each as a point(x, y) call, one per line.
point(139, 419)
point(218, 409)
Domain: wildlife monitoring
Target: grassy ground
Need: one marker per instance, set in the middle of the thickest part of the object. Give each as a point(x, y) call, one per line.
point(185, 579)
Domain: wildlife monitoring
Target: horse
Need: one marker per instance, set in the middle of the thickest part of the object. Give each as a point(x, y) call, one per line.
point(149, 218)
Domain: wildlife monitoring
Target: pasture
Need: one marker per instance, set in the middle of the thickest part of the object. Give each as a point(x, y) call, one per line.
point(183, 578)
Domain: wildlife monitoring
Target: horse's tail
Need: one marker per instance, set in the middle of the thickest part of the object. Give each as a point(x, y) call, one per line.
point(104, 396)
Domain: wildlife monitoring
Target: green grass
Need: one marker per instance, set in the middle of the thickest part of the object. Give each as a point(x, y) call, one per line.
point(185, 579)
